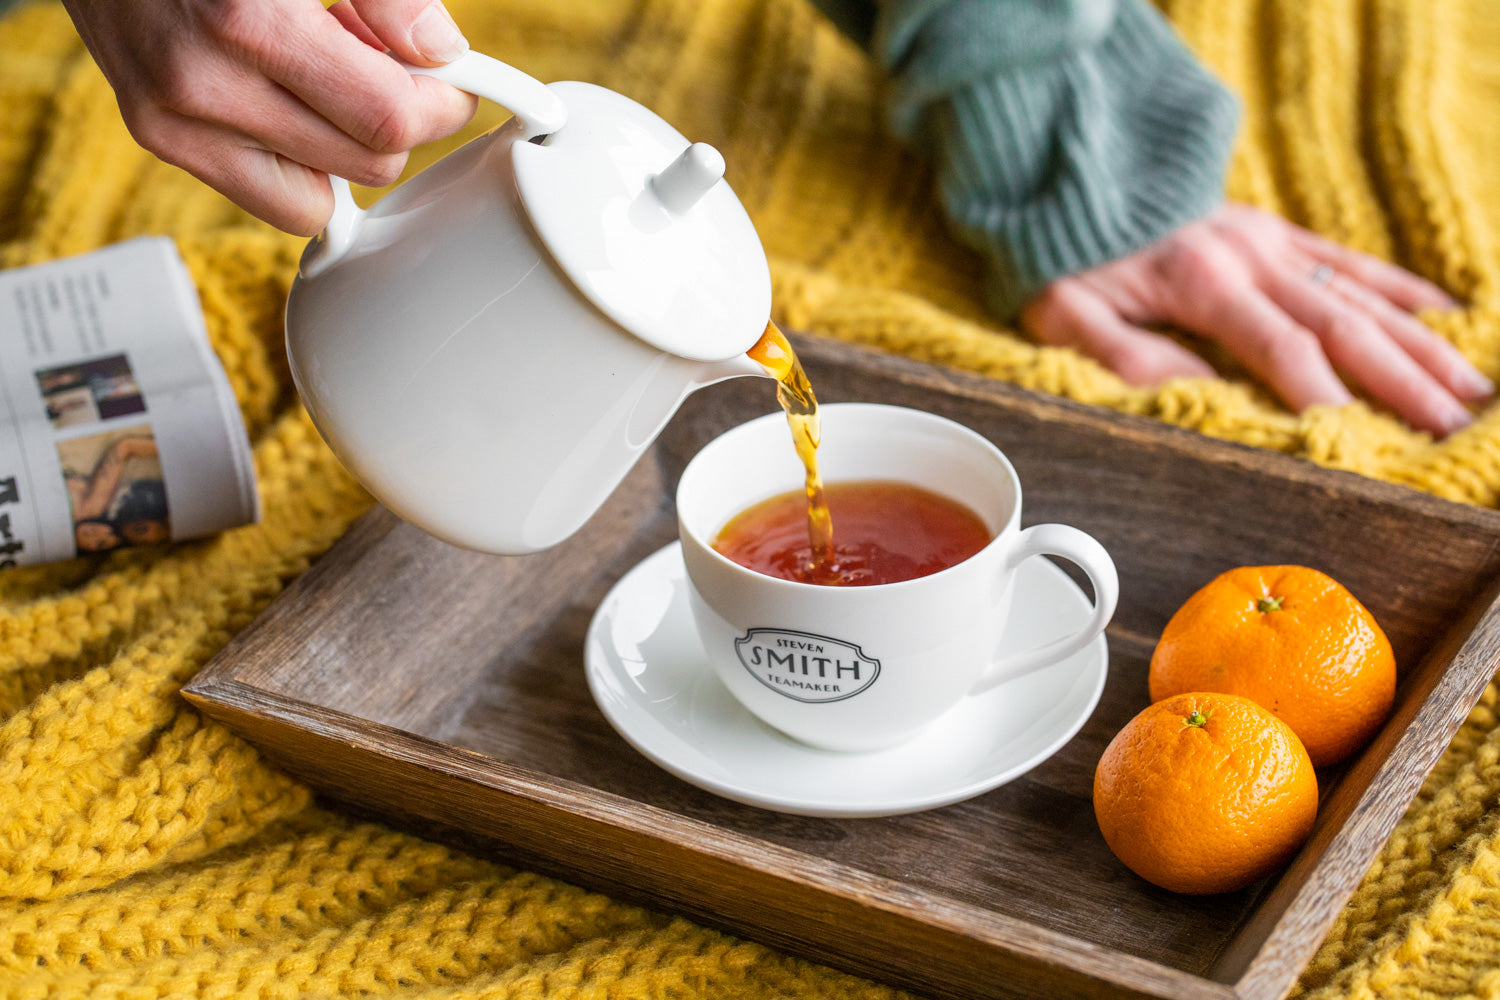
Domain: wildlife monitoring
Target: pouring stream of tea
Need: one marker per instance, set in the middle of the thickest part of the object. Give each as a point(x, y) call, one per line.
point(794, 393)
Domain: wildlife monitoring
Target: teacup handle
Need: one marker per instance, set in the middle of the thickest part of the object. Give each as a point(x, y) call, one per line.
point(538, 110)
point(1082, 550)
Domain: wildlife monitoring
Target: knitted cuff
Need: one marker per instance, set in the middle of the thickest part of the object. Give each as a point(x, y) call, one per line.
point(1055, 168)
point(933, 47)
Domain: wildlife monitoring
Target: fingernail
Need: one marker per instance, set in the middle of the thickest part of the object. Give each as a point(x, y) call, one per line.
point(1455, 418)
point(435, 36)
point(1474, 385)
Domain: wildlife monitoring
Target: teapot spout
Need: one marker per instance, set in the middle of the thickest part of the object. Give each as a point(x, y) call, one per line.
point(737, 366)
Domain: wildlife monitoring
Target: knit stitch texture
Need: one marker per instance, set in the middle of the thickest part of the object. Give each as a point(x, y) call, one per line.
point(145, 852)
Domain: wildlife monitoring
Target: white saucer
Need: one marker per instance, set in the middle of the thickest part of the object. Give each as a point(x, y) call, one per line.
point(646, 670)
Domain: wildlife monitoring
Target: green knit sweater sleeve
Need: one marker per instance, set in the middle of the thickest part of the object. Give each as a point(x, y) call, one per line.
point(1065, 133)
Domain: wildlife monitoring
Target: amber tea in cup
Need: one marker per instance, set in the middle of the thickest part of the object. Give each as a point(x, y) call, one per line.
point(887, 532)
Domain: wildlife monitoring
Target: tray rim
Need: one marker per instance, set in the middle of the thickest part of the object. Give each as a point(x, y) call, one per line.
point(219, 693)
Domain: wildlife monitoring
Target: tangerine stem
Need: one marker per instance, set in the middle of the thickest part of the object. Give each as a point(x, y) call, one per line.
point(1197, 718)
point(1268, 604)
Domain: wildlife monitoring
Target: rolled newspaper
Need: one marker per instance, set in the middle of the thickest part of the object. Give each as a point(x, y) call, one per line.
point(118, 425)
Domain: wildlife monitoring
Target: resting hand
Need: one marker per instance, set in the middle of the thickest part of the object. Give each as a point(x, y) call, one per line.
point(262, 99)
point(1296, 310)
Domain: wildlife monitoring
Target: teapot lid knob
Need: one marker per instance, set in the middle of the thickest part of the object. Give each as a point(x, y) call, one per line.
point(645, 226)
point(689, 177)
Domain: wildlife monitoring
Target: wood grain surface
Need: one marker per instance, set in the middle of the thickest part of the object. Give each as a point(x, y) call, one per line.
point(443, 690)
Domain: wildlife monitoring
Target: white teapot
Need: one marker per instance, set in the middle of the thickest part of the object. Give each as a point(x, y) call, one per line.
point(490, 347)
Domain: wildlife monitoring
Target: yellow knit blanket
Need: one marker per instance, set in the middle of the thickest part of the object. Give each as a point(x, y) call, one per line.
point(144, 852)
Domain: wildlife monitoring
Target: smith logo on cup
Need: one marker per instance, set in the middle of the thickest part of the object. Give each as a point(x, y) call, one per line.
point(806, 667)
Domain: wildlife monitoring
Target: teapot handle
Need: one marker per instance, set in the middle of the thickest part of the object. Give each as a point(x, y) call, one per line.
point(538, 110)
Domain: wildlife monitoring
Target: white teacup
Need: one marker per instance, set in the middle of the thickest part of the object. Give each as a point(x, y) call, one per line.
point(864, 668)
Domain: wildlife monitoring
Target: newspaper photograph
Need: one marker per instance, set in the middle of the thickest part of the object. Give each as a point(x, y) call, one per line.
point(119, 426)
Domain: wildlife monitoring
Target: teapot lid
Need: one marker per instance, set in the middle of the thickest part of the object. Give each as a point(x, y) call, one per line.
point(645, 226)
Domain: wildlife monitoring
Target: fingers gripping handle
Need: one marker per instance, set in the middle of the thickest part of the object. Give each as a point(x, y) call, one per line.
point(538, 110)
point(1082, 550)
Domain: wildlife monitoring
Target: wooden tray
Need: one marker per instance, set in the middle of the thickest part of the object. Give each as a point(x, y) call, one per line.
point(444, 691)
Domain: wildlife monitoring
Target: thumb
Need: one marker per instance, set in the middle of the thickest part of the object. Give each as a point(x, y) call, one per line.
point(418, 31)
